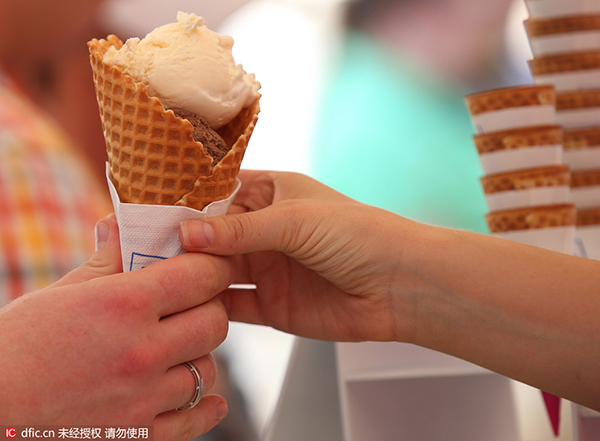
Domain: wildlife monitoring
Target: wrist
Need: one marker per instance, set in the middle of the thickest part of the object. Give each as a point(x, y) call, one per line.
point(415, 251)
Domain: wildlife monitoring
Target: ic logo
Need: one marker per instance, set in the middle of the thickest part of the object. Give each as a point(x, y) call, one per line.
point(10, 432)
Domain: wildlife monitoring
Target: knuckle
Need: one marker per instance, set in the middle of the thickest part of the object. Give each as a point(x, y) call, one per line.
point(216, 323)
point(223, 322)
point(239, 227)
point(98, 267)
point(292, 236)
point(220, 320)
point(210, 273)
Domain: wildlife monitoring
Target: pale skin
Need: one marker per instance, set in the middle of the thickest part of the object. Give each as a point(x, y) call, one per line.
point(328, 267)
point(103, 348)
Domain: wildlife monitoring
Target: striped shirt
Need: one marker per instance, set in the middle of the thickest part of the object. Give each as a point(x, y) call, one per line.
point(49, 198)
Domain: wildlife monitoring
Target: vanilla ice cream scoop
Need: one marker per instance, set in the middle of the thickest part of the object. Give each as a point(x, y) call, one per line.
point(188, 66)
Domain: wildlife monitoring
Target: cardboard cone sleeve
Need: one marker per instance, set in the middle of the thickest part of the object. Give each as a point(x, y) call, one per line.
point(153, 157)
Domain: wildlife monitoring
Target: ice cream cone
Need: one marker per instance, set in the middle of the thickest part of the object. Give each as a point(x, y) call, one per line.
point(578, 109)
point(582, 148)
point(519, 96)
point(549, 9)
point(581, 138)
point(532, 218)
point(524, 148)
point(590, 216)
point(526, 188)
point(565, 62)
point(518, 138)
point(563, 34)
point(585, 178)
point(562, 25)
point(578, 99)
point(152, 154)
point(569, 71)
point(512, 107)
point(585, 189)
point(526, 179)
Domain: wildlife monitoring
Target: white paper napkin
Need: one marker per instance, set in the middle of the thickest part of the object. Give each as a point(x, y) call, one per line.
point(150, 233)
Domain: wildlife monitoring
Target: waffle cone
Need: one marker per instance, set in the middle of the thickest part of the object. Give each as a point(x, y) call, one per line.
point(152, 155)
point(585, 178)
point(524, 179)
point(579, 99)
point(589, 216)
point(581, 138)
point(537, 27)
point(565, 62)
point(518, 138)
point(532, 217)
point(518, 96)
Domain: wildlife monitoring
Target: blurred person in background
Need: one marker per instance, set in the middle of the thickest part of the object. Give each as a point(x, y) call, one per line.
point(393, 129)
point(50, 198)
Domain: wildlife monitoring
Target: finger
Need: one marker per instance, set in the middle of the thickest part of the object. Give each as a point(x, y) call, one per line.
point(179, 385)
point(242, 305)
point(107, 258)
point(195, 332)
point(257, 190)
point(278, 228)
point(188, 424)
point(184, 281)
point(263, 188)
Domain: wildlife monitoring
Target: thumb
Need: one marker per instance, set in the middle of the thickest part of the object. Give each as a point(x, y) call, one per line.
point(106, 259)
point(276, 228)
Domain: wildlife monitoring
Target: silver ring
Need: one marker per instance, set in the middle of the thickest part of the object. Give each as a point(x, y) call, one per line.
point(199, 386)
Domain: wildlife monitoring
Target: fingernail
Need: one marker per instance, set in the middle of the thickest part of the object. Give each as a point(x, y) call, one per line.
point(197, 234)
point(101, 232)
point(221, 411)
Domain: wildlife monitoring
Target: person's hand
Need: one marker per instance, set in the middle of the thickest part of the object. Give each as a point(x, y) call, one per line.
point(321, 262)
point(101, 347)
point(328, 267)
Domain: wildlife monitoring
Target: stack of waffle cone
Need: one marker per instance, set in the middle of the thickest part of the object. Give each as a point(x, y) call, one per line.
point(526, 185)
point(152, 156)
point(565, 42)
point(543, 206)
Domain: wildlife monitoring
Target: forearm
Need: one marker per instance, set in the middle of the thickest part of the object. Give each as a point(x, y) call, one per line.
point(525, 312)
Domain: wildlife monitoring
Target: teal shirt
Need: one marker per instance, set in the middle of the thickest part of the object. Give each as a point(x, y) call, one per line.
point(393, 135)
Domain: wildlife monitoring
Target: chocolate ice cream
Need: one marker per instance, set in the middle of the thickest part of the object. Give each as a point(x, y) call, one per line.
point(212, 142)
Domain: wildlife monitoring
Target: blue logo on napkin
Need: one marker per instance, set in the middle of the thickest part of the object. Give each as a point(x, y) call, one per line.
point(139, 261)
